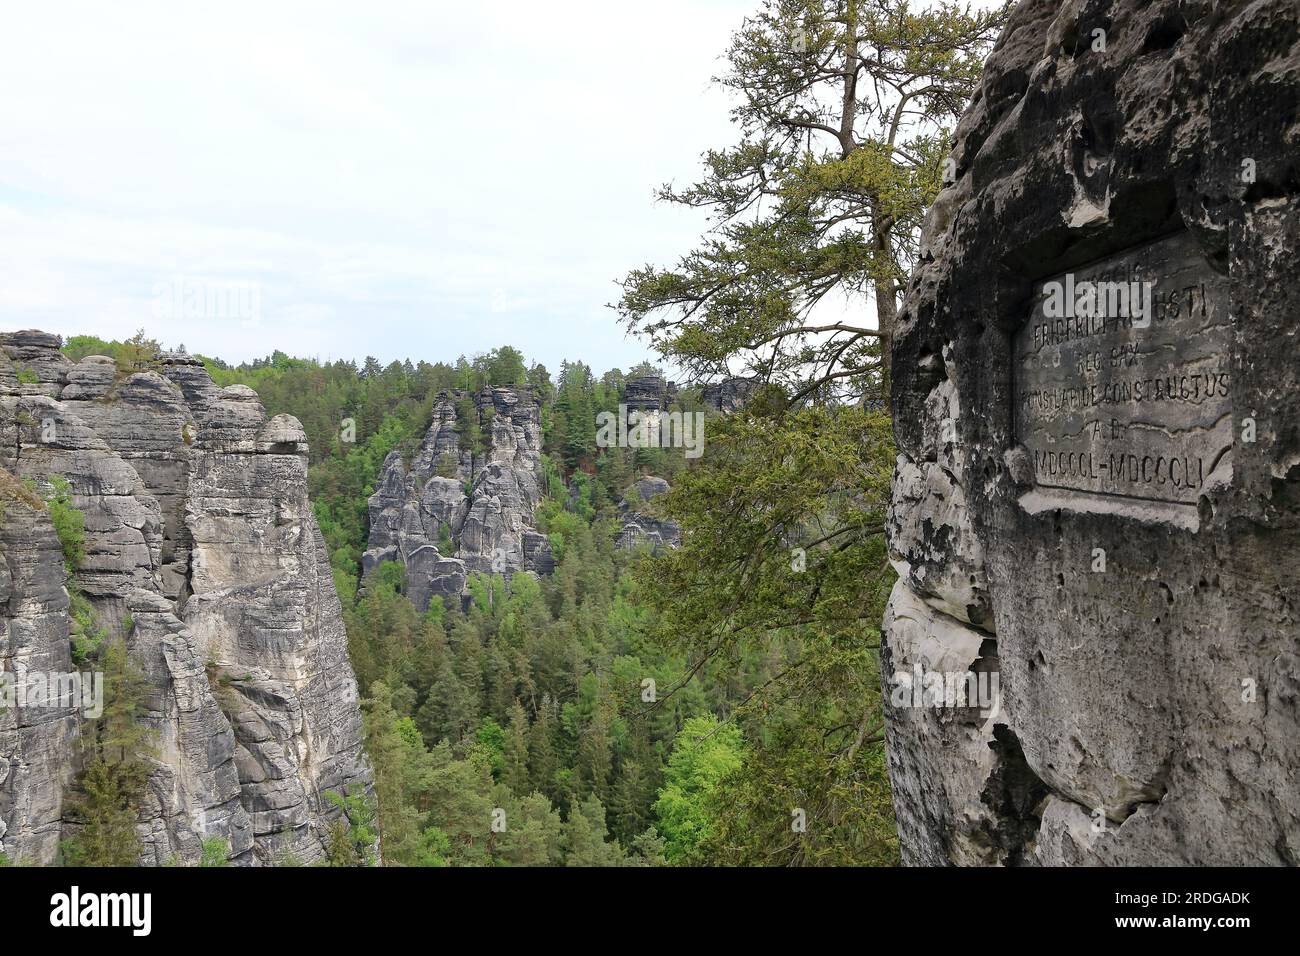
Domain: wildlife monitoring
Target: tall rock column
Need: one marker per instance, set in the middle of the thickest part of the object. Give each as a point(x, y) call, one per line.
point(36, 744)
point(1097, 409)
point(203, 554)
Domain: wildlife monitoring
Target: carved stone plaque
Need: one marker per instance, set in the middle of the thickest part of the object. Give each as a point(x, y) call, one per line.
point(1122, 377)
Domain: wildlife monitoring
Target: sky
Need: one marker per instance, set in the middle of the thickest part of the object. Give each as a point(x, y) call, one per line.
point(337, 180)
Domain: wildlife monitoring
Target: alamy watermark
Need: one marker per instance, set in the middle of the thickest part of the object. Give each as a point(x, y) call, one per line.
point(652, 429)
point(967, 689)
point(76, 909)
point(189, 298)
point(53, 689)
point(1069, 299)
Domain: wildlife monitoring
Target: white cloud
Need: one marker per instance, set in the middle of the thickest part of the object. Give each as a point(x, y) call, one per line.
point(401, 179)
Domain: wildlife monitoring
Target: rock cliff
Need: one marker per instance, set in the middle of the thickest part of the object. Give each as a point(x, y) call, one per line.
point(36, 744)
point(202, 551)
point(465, 501)
point(639, 526)
point(648, 393)
point(730, 394)
point(1101, 508)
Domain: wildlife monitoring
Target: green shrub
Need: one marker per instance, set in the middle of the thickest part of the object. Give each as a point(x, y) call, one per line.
point(69, 523)
point(109, 793)
point(216, 852)
point(86, 636)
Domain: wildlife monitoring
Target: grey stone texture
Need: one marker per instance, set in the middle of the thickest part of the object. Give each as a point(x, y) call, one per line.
point(1149, 713)
point(648, 393)
point(202, 551)
point(639, 525)
point(36, 743)
point(730, 394)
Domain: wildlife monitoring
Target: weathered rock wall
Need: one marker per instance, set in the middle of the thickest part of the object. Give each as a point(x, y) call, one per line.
point(639, 525)
point(202, 551)
point(1122, 554)
point(36, 744)
point(455, 509)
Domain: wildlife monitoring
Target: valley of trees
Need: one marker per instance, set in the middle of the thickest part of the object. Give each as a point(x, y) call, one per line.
point(569, 706)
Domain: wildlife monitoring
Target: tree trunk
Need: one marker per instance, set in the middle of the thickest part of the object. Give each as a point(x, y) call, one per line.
point(886, 303)
point(886, 316)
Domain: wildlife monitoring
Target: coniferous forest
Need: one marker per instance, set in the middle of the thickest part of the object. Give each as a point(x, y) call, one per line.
point(710, 701)
point(713, 702)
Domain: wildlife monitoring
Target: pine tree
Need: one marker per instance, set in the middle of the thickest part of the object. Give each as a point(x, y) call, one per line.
point(845, 111)
point(450, 708)
point(106, 804)
point(595, 754)
point(460, 800)
point(352, 837)
point(500, 680)
point(534, 833)
point(541, 750)
point(585, 834)
point(401, 765)
point(629, 803)
point(515, 772)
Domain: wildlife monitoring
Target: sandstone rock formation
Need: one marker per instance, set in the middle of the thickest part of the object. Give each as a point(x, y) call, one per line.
point(36, 744)
point(654, 393)
point(641, 527)
point(648, 393)
point(730, 394)
point(202, 551)
point(460, 506)
point(1122, 554)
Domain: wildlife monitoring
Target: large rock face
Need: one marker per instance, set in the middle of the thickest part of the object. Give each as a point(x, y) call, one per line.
point(203, 553)
point(461, 506)
point(729, 395)
point(37, 744)
point(648, 393)
point(1097, 501)
point(638, 525)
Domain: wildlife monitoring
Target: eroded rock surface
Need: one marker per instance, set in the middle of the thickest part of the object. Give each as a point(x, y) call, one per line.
point(37, 743)
point(460, 505)
point(730, 394)
point(1145, 638)
point(648, 393)
point(640, 526)
point(202, 551)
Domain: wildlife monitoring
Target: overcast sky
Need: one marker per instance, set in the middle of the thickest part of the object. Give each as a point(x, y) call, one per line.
point(395, 179)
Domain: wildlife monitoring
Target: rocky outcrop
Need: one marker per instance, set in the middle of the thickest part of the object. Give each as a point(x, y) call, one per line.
point(202, 551)
point(1101, 507)
point(464, 503)
point(638, 525)
point(37, 744)
point(648, 393)
point(729, 395)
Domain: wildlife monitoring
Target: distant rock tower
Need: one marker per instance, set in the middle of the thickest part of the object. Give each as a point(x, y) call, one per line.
point(456, 508)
